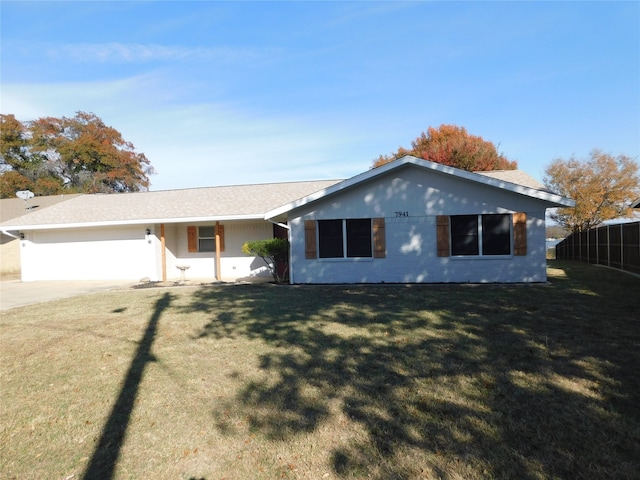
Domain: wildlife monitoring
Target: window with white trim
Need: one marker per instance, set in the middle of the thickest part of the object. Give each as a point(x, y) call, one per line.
point(480, 235)
point(350, 238)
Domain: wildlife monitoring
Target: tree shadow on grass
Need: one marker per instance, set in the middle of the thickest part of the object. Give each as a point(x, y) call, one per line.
point(105, 456)
point(454, 382)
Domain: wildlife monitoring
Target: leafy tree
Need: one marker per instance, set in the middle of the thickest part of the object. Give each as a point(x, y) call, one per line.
point(80, 154)
point(273, 251)
point(453, 146)
point(14, 143)
point(603, 187)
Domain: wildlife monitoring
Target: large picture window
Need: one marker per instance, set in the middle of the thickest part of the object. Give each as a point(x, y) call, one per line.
point(481, 234)
point(351, 236)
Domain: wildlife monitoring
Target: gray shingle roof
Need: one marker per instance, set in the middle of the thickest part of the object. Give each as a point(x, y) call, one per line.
point(210, 203)
point(517, 177)
point(238, 201)
point(16, 207)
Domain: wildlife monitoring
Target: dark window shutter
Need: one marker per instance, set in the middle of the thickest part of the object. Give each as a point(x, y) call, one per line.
point(379, 240)
point(192, 239)
point(520, 233)
point(310, 239)
point(442, 228)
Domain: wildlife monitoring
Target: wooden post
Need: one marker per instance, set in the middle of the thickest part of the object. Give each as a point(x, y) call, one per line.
point(218, 273)
point(164, 253)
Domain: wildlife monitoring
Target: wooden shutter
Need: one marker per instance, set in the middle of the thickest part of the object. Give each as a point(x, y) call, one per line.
point(442, 230)
point(220, 231)
point(192, 239)
point(379, 242)
point(310, 239)
point(520, 233)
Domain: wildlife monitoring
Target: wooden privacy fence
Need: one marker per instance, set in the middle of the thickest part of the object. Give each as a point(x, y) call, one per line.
point(616, 246)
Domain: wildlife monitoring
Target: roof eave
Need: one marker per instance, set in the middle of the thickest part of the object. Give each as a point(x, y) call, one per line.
point(147, 221)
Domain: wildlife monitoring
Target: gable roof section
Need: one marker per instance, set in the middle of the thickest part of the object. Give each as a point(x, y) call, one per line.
point(167, 206)
point(515, 181)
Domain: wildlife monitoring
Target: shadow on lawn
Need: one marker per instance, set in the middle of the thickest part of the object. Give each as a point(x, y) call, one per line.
point(105, 456)
point(450, 382)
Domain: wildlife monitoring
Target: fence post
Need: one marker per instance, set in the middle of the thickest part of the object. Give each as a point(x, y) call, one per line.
point(608, 247)
point(621, 247)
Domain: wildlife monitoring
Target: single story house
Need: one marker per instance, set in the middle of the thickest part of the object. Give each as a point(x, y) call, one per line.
point(410, 221)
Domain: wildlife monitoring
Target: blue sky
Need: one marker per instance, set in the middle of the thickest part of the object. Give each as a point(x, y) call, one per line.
point(218, 93)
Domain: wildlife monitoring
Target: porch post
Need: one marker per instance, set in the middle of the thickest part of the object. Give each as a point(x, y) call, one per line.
point(164, 253)
point(218, 273)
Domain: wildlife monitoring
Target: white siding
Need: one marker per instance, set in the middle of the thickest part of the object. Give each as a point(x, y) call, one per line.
point(411, 240)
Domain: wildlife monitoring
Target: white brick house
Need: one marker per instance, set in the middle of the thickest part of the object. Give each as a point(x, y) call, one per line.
point(411, 221)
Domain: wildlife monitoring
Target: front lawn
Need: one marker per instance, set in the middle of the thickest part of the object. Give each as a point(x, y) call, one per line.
point(383, 382)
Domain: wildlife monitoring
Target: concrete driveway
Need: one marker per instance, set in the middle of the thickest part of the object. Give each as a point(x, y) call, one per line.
point(14, 293)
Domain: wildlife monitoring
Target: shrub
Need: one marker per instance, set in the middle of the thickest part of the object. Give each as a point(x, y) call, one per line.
point(273, 251)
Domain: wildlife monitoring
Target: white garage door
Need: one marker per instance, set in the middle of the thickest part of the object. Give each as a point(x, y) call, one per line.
point(88, 254)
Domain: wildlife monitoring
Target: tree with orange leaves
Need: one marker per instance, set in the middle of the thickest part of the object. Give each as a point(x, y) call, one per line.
point(453, 146)
point(603, 187)
point(79, 154)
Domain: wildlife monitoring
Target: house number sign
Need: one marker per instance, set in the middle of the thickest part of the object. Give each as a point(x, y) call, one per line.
point(402, 214)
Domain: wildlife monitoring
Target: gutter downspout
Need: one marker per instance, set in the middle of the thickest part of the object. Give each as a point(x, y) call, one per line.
point(288, 228)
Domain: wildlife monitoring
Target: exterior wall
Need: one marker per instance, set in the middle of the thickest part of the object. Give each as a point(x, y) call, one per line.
point(127, 253)
point(9, 255)
point(123, 253)
point(233, 263)
point(410, 199)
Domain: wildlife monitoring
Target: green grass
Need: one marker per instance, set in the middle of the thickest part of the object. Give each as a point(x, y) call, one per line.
point(383, 382)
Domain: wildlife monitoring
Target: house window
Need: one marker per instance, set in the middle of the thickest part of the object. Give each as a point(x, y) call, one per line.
point(203, 239)
point(358, 237)
point(496, 234)
point(480, 234)
point(206, 239)
point(464, 235)
point(353, 236)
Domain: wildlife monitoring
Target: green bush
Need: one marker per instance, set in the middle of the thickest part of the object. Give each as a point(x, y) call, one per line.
point(273, 251)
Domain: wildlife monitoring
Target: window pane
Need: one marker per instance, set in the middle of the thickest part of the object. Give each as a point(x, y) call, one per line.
point(206, 245)
point(330, 239)
point(206, 232)
point(496, 235)
point(359, 237)
point(464, 235)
